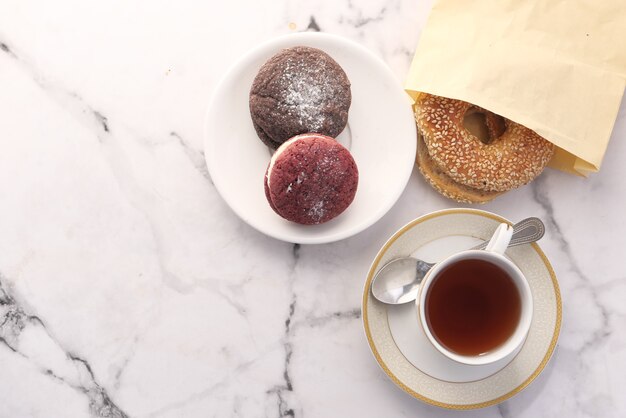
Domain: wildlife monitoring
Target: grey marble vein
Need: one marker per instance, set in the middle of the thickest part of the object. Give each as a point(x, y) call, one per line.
point(318, 321)
point(117, 378)
point(141, 199)
point(14, 320)
point(4, 47)
point(103, 120)
point(100, 404)
point(168, 408)
point(604, 331)
point(503, 410)
point(195, 156)
point(6, 344)
point(282, 390)
point(67, 99)
point(360, 19)
point(78, 107)
point(232, 301)
point(313, 26)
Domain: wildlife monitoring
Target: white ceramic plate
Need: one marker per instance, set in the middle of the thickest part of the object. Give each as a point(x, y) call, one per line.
point(404, 352)
point(381, 136)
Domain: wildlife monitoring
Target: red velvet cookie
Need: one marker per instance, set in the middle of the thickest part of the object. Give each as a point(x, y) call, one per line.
point(311, 179)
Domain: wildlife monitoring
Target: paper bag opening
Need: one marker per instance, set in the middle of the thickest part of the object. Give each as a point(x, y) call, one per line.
point(558, 68)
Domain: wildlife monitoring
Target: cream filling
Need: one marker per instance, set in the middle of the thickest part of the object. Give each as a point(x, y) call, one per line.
point(279, 151)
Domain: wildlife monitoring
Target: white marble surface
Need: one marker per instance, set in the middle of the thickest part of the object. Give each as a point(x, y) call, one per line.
point(128, 287)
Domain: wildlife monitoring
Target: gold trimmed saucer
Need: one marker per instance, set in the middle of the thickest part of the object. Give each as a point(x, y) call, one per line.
point(459, 392)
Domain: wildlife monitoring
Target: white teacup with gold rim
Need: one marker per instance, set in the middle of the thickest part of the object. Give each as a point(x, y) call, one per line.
point(475, 306)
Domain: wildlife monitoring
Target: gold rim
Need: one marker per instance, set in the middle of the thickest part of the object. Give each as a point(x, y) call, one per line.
point(394, 378)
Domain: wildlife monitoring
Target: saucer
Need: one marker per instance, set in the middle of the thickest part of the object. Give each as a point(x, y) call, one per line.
point(401, 347)
point(380, 135)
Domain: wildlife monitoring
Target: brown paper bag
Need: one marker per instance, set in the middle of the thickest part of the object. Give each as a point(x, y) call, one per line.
point(557, 67)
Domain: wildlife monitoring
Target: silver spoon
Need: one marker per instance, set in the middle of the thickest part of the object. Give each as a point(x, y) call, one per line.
point(398, 281)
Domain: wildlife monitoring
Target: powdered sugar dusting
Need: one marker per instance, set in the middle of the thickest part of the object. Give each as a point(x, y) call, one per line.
point(317, 211)
point(297, 91)
point(307, 88)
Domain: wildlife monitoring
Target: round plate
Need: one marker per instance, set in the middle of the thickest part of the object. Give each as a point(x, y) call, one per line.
point(380, 135)
point(393, 332)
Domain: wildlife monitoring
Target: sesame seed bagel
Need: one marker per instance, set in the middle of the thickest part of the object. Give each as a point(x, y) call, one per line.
point(444, 184)
point(512, 156)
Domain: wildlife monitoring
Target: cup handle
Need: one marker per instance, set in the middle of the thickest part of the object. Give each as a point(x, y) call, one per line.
point(500, 239)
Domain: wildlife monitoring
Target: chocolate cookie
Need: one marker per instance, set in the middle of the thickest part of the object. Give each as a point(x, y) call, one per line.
point(299, 90)
point(311, 179)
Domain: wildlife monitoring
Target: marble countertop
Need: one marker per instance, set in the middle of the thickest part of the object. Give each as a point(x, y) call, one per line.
point(129, 289)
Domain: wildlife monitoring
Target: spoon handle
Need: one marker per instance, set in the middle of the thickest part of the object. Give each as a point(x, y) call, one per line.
point(524, 232)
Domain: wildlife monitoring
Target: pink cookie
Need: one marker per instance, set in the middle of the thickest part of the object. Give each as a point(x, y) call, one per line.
point(311, 179)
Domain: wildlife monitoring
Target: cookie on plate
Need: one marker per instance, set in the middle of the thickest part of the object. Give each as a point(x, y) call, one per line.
point(299, 90)
point(311, 179)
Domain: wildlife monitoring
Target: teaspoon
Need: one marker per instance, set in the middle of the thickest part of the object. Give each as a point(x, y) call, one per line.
point(398, 281)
